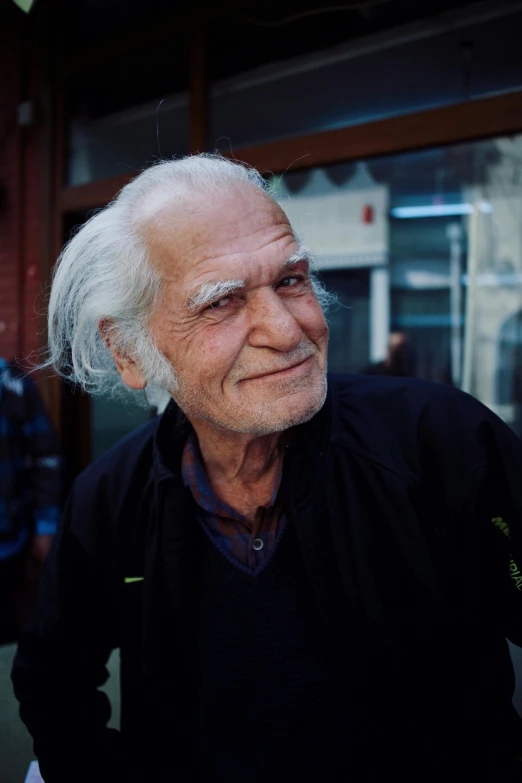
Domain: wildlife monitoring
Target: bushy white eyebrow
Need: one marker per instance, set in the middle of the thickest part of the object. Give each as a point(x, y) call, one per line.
point(212, 292)
point(301, 254)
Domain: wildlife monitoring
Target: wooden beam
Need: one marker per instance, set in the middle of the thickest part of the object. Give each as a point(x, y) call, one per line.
point(53, 167)
point(470, 121)
point(198, 88)
point(78, 198)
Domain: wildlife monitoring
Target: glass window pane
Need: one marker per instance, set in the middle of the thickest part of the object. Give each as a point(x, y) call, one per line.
point(440, 232)
point(349, 321)
point(112, 419)
point(128, 141)
point(425, 247)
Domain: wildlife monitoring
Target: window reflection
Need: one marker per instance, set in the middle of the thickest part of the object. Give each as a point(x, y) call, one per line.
point(427, 244)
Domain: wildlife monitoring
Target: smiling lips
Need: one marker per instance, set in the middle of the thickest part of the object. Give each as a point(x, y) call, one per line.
point(272, 373)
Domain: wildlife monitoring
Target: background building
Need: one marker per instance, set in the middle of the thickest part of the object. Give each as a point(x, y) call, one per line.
point(393, 130)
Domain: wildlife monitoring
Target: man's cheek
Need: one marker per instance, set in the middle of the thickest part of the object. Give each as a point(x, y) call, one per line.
point(223, 345)
point(311, 318)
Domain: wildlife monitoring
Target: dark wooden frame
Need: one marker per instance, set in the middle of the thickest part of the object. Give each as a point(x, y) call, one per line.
point(469, 121)
point(52, 163)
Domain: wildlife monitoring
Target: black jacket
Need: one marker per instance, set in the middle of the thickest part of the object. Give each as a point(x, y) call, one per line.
point(407, 501)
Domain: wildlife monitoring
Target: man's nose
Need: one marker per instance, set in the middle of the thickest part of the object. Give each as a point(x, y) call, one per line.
point(272, 324)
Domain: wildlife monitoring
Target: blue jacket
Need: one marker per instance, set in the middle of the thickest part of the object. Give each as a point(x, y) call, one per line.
point(29, 464)
point(406, 498)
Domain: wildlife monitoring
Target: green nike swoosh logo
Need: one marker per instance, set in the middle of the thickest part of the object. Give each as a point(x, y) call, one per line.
point(130, 579)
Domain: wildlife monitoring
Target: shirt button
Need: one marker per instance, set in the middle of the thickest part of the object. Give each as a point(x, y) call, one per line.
point(257, 544)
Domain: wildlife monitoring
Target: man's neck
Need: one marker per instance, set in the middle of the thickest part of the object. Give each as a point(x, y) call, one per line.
point(241, 468)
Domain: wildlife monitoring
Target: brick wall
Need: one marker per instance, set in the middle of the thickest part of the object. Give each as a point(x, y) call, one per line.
point(21, 181)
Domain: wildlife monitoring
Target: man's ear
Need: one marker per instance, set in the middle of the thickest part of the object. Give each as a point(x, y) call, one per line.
point(129, 371)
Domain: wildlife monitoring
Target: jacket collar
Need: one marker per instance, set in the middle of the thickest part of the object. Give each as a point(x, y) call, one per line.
point(305, 450)
point(169, 440)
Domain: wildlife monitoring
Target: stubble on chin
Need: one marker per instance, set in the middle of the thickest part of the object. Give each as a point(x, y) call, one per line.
point(265, 417)
point(258, 417)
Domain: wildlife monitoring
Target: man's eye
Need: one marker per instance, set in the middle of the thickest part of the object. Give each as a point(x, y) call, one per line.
point(289, 282)
point(218, 304)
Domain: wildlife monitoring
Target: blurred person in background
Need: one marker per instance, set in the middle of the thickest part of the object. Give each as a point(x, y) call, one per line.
point(309, 577)
point(399, 359)
point(29, 494)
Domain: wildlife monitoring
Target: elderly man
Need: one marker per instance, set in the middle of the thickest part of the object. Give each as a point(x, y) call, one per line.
point(307, 580)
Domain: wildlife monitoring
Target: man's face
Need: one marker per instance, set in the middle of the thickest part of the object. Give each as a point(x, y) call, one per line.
point(240, 325)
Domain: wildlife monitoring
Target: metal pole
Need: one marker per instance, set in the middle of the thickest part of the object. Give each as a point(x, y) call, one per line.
point(454, 233)
point(471, 297)
point(379, 312)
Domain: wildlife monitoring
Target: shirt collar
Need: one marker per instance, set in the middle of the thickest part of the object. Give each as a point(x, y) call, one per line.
point(196, 479)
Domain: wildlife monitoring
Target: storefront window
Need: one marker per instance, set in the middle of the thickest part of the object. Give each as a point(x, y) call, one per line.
point(427, 245)
point(425, 248)
point(128, 141)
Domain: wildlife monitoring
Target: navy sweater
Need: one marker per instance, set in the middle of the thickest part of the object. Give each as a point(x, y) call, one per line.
point(267, 706)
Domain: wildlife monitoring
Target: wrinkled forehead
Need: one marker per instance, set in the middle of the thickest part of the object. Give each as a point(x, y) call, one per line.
point(187, 229)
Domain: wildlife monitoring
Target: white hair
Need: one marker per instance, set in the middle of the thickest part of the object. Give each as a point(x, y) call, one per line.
point(105, 275)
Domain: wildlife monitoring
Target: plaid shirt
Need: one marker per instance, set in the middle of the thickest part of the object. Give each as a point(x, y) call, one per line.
point(240, 540)
point(30, 467)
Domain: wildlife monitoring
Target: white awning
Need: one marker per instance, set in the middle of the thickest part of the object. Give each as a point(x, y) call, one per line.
point(345, 226)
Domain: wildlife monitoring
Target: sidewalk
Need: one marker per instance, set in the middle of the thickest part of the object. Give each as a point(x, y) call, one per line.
point(16, 748)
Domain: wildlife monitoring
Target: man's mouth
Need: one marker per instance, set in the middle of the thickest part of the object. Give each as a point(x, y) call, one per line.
point(282, 373)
